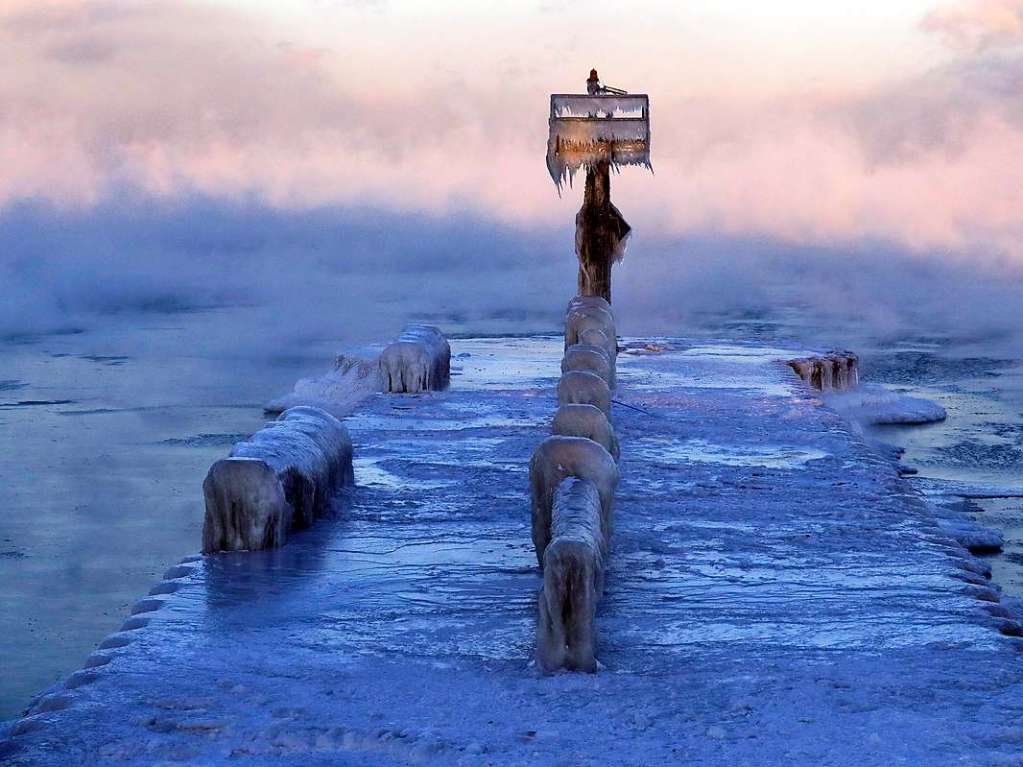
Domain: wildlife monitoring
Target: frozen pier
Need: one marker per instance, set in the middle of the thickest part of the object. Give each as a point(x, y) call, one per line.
point(777, 595)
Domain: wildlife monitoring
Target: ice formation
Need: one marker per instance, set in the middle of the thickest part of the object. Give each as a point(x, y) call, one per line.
point(600, 339)
point(418, 361)
point(351, 380)
point(586, 421)
point(836, 375)
point(573, 579)
point(590, 321)
point(282, 477)
point(557, 458)
point(836, 371)
point(587, 129)
point(876, 405)
point(596, 301)
point(573, 475)
point(586, 317)
point(589, 358)
point(582, 387)
point(602, 106)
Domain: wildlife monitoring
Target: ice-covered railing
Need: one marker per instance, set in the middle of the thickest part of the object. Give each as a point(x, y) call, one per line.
point(573, 475)
point(587, 129)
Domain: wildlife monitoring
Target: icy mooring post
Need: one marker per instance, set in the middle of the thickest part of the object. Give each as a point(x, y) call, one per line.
point(602, 129)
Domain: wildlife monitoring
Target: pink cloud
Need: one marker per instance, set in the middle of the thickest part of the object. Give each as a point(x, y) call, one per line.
point(977, 24)
point(173, 99)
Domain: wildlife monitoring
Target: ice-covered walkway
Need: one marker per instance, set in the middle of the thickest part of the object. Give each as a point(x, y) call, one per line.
point(777, 596)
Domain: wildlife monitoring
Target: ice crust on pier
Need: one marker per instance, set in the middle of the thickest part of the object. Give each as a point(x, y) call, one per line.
point(585, 388)
point(836, 375)
point(582, 317)
point(592, 359)
point(350, 380)
point(873, 404)
point(282, 477)
point(418, 361)
point(573, 579)
point(761, 612)
point(556, 459)
point(588, 421)
point(836, 371)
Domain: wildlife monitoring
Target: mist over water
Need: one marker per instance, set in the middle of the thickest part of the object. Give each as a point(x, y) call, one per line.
point(356, 274)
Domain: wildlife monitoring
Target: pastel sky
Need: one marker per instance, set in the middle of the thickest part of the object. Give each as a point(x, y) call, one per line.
point(801, 121)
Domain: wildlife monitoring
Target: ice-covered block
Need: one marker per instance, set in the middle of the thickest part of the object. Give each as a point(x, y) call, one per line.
point(557, 458)
point(573, 579)
point(836, 371)
point(598, 301)
point(598, 338)
point(585, 388)
point(590, 358)
point(588, 316)
point(419, 360)
point(586, 421)
point(284, 476)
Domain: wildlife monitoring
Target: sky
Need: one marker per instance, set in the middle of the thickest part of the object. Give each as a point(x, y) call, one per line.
point(845, 127)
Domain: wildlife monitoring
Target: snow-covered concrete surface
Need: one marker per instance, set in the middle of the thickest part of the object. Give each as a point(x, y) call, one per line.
point(776, 595)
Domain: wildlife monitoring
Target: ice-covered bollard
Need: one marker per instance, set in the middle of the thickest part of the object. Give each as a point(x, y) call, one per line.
point(282, 477)
point(836, 371)
point(590, 321)
point(419, 360)
point(578, 301)
point(599, 339)
point(573, 579)
point(586, 421)
point(582, 317)
point(581, 387)
point(592, 359)
point(557, 458)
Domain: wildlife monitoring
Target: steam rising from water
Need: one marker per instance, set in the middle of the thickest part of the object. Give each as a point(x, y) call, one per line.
point(356, 275)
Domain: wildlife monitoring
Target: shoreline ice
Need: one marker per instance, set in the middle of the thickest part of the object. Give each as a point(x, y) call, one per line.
point(877, 406)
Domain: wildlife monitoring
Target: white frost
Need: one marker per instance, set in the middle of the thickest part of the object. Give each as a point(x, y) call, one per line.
point(351, 380)
point(873, 404)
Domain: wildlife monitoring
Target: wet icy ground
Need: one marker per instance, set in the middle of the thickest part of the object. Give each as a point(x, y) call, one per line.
point(777, 595)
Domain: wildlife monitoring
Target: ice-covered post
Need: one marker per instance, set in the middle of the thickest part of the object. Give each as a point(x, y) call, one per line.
point(598, 131)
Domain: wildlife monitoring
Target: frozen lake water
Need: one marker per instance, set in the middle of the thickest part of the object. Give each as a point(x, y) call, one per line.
point(777, 595)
